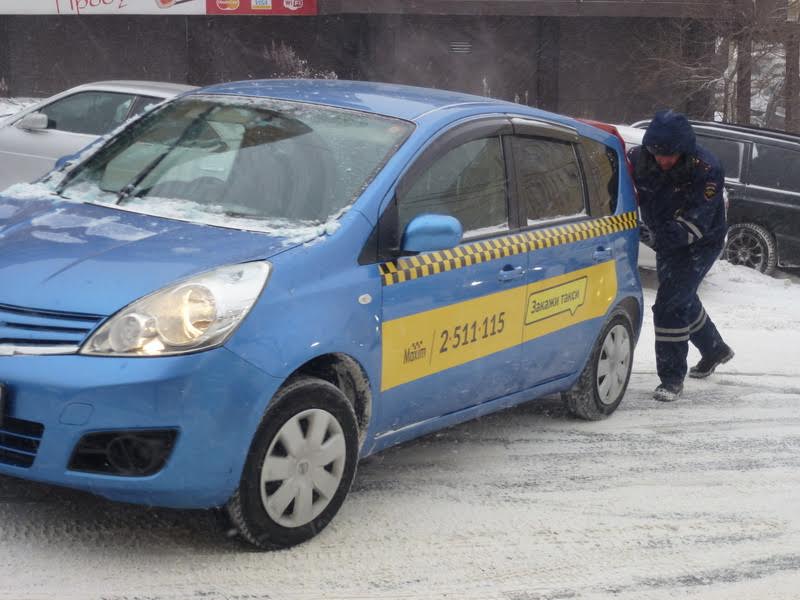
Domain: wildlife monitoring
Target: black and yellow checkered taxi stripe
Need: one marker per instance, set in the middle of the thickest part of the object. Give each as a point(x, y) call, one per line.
point(431, 263)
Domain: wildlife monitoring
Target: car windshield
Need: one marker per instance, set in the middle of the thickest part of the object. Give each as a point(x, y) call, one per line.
point(246, 158)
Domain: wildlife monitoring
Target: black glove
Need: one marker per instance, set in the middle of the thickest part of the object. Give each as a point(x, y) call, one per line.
point(646, 236)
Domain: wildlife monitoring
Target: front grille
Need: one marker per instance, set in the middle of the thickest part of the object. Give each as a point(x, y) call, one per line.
point(24, 330)
point(19, 441)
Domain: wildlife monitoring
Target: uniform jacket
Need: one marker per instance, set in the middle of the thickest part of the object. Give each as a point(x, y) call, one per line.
point(683, 207)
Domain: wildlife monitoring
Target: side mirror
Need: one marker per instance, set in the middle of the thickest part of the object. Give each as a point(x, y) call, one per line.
point(426, 233)
point(33, 122)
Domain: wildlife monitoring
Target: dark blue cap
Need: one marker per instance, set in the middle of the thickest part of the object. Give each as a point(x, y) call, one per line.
point(669, 133)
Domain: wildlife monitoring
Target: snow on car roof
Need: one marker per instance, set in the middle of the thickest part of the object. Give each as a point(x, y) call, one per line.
point(156, 88)
point(400, 101)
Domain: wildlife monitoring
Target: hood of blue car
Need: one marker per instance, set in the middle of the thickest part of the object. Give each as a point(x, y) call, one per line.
point(91, 259)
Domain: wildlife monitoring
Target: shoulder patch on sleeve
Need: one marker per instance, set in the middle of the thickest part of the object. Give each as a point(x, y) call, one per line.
point(711, 190)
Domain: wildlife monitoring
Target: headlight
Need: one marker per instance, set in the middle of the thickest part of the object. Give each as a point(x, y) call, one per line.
point(195, 314)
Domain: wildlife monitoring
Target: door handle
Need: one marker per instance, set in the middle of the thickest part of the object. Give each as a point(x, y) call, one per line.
point(603, 254)
point(510, 272)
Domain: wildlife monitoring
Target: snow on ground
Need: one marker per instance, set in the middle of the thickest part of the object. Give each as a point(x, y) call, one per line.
point(697, 499)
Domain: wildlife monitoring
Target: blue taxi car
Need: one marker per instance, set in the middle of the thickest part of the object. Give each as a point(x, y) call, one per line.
point(236, 297)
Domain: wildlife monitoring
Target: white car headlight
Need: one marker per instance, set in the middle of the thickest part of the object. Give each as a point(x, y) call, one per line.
point(194, 314)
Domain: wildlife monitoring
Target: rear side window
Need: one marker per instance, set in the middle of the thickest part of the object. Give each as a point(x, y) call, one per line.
point(468, 183)
point(775, 167)
point(601, 166)
point(729, 153)
point(548, 179)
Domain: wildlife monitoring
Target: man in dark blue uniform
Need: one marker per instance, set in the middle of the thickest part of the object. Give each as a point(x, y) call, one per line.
point(681, 199)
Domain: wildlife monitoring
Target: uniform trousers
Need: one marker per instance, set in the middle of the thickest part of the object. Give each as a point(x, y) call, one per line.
point(678, 314)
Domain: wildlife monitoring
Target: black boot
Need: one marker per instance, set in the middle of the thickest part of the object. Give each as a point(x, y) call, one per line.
point(668, 392)
point(707, 365)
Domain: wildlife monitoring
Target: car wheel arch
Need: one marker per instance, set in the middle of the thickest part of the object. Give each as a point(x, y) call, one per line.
point(633, 309)
point(584, 399)
point(347, 374)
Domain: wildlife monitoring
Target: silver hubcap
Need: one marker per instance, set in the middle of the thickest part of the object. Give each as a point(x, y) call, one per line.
point(614, 363)
point(303, 468)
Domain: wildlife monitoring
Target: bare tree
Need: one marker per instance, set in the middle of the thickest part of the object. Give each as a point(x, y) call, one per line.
point(288, 65)
point(689, 61)
point(792, 86)
point(743, 67)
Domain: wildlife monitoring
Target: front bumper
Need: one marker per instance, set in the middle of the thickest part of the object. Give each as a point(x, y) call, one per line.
point(213, 399)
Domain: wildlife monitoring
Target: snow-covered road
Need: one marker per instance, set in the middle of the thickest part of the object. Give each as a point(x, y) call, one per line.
point(697, 499)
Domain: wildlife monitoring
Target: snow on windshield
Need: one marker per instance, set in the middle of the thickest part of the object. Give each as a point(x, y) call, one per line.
point(181, 210)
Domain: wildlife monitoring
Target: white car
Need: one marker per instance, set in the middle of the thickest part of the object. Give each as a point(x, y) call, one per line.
point(633, 137)
point(32, 140)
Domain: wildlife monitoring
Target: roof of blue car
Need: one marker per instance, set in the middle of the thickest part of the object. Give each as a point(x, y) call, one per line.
point(401, 101)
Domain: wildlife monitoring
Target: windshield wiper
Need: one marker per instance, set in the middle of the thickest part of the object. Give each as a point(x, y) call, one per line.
point(127, 190)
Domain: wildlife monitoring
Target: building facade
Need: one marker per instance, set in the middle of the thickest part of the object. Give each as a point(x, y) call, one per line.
point(606, 60)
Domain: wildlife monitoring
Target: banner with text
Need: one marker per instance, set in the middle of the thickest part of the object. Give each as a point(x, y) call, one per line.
point(158, 7)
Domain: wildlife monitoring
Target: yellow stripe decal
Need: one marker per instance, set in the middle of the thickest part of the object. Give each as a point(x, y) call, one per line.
point(429, 342)
point(478, 252)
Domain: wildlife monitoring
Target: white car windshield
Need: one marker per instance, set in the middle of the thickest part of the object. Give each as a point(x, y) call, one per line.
point(246, 158)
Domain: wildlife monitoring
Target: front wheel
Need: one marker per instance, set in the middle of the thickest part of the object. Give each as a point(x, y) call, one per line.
point(300, 466)
point(752, 246)
point(603, 382)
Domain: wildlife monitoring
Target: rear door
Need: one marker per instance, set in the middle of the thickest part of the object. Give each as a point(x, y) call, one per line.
point(571, 279)
point(451, 319)
point(773, 196)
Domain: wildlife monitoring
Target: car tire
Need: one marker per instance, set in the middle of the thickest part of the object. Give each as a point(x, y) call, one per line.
point(602, 384)
point(301, 464)
point(753, 246)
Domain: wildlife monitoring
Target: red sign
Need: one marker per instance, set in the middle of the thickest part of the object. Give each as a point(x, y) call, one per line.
point(261, 7)
point(158, 7)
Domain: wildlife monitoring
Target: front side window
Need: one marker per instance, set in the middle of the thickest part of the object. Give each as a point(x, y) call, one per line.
point(775, 167)
point(468, 183)
point(728, 152)
point(253, 159)
point(549, 179)
point(91, 113)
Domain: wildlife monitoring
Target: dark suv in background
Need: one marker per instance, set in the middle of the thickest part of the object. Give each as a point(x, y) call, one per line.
point(762, 175)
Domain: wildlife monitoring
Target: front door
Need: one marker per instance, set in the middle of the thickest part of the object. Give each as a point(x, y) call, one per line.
point(451, 328)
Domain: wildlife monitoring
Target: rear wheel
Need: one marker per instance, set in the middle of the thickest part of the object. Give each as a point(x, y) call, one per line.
point(752, 246)
point(300, 466)
point(602, 384)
